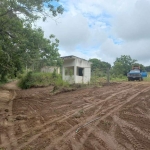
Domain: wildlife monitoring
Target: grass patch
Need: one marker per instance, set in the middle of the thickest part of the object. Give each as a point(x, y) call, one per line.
point(117, 79)
point(103, 80)
point(40, 79)
point(124, 78)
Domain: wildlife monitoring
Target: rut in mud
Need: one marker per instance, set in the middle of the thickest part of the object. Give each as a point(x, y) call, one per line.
point(115, 117)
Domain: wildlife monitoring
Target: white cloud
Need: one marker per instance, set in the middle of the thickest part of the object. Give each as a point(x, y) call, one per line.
point(86, 29)
point(134, 25)
point(72, 31)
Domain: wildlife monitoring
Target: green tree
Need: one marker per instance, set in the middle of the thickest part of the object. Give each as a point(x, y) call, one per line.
point(123, 64)
point(30, 9)
point(147, 68)
point(142, 68)
point(19, 43)
point(98, 64)
point(99, 68)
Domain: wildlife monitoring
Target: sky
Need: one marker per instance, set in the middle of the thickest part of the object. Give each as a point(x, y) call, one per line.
point(102, 29)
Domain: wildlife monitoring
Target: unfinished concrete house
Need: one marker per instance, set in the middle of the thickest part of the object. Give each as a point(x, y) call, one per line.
point(76, 70)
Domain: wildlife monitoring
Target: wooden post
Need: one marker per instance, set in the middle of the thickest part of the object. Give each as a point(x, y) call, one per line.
point(108, 79)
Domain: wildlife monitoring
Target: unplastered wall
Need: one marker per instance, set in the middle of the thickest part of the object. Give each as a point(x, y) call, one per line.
point(69, 79)
point(68, 63)
point(82, 63)
point(87, 75)
point(86, 78)
point(50, 69)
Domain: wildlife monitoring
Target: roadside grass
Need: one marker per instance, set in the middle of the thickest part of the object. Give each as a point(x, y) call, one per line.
point(124, 78)
point(118, 79)
point(102, 80)
point(40, 79)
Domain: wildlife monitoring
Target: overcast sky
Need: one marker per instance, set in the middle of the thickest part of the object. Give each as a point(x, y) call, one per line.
point(103, 29)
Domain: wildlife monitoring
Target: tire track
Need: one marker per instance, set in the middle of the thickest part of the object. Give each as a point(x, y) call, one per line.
point(112, 112)
point(58, 140)
point(136, 115)
point(43, 130)
point(60, 120)
point(132, 139)
point(128, 134)
point(132, 127)
point(69, 134)
point(115, 109)
point(103, 117)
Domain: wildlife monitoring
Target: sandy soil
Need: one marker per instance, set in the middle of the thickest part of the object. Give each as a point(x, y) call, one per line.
point(114, 117)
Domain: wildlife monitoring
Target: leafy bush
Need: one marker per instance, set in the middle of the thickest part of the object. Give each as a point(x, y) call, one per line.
point(25, 81)
point(60, 82)
point(4, 80)
point(39, 79)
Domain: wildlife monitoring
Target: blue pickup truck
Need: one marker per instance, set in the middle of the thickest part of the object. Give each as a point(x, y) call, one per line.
point(136, 74)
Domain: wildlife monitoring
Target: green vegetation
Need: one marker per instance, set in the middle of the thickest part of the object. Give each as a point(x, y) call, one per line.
point(99, 71)
point(36, 79)
point(98, 65)
point(118, 79)
point(118, 72)
point(122, 65)
point(21, 45)
point(147, 68)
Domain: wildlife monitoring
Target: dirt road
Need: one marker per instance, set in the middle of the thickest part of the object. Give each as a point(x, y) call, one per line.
point(115, 117)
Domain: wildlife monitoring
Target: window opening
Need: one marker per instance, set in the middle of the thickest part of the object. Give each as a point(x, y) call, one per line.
point(80, 71)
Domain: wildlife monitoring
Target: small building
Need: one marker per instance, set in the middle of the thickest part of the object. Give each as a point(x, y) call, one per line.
point(50, 69)
point(76, 70)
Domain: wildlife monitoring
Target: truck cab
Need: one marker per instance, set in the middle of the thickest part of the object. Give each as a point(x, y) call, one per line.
point(136, 74)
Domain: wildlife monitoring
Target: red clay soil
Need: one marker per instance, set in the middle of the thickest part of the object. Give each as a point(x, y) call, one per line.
point(114, 117)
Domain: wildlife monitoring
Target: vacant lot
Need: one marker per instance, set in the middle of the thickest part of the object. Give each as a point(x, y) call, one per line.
point(114, 117)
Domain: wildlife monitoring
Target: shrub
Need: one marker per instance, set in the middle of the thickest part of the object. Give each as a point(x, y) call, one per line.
point(25, 81)
point(40, 79)
point(60, 82)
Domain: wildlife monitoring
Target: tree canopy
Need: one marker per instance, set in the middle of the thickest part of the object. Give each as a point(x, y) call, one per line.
point(123, 65)
point(147, 68)
point(96, 63)
point(20, 44)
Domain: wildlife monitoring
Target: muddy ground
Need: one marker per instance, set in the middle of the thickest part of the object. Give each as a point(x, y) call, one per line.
point(114, 117)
